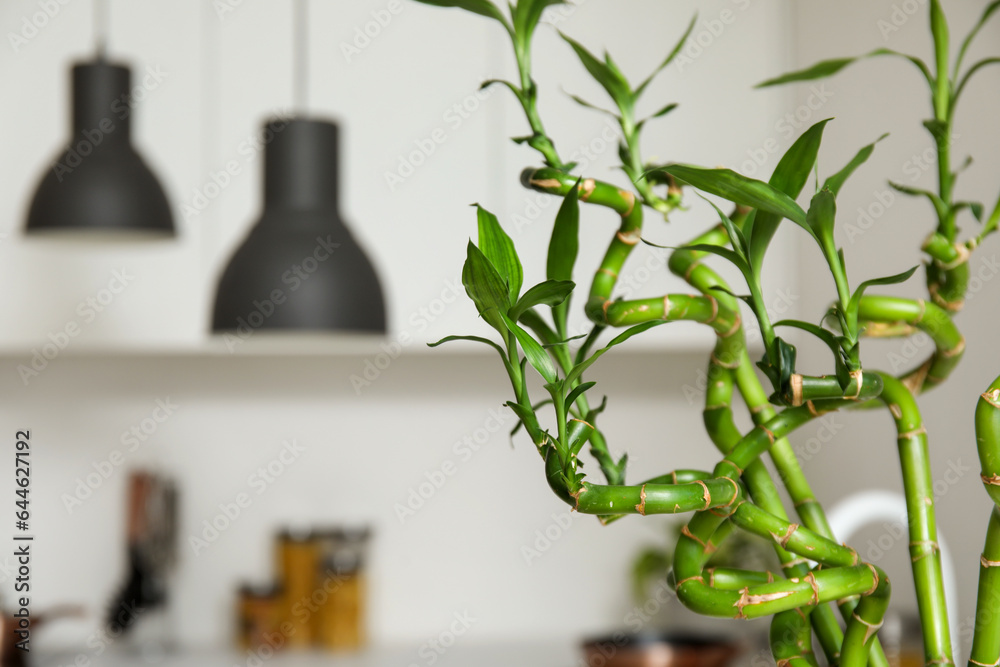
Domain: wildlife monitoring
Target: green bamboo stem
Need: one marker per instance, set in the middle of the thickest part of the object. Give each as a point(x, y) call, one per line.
point(733, 579)
point(986, 641)
point(721, 427)
point(925, 553)
point(846, 578)
point(885, 316)
point(790, 639)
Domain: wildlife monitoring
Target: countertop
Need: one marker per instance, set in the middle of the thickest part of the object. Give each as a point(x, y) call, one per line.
point(486, 655)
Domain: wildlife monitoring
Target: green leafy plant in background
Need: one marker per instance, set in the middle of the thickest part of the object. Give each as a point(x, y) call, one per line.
point(739, 493)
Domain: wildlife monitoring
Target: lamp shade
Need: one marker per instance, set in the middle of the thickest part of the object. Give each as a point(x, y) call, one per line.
point(300, 268)
point(99, 182)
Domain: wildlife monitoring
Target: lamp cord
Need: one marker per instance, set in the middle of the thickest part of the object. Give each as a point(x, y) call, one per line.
point(101, 28)
point(300, 45)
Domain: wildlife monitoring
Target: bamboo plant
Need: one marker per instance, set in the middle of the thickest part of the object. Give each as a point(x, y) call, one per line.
point(739, 493)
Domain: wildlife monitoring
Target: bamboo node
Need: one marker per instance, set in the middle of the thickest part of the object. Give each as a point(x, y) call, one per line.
point(950, 306)
point(923, 311)
point(641, 507)
point(955, 351)
point(735, 467)
point(690, 270)
point(992, 397)
point(963, 254)
point(715, 309)
point(788, 535)
point(911, 434)
point(706, 494)
point(769, 432)
point(737, 323)
point(630, 238)
point(796, 383)
point(801, 560)
point(870, 628)
point(811, 578)
point(696, 577)
point(732, 365)
point(859, 377)
point(736, 491)
point(748, 600)
point(914, 380)
point(984, 664)
point(992, 480)
point(941, 661)
point(934, 547)
point(686, 532)
point(716, 406)
point(875, 579)
point(630, 198)
point(608, 272)
point(587, 188)
point(545, 183)
point(986, 563)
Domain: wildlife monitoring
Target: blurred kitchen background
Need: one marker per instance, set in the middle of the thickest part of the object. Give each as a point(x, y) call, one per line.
point(410, 442)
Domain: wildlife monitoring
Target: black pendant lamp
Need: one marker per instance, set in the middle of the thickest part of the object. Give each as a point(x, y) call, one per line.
point(300, 268)
point(99, 183)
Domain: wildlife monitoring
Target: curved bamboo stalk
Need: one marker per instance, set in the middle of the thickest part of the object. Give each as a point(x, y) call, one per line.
point(918, 487)
point(986, 641)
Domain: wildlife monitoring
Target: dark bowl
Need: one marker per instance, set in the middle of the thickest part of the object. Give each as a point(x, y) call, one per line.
point(660, 650)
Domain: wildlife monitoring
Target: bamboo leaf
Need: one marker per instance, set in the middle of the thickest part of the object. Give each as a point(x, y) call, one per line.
point(592, 337)
point(836, 182)
point(822, 218)
point(828, 337)
point(481, 7)
point(564, 246)
point(533, 351)
point(739, 189)
point(939, 206)
point(527, 14)
point(584, 103)
point(730, 256)
point(986, 62)
point(503, 82)
point(987, 13)
point(789, 177)
point(581, 367)
point(476, 339)
point(549, 293)
point(659, 114)
point(669, 59)
point(827, 68)
point(736, 237)
point(499, 250)
point(526, 417)
point(577, 434)
point(975, 207)
point(577, 392)
point(855, 305)
point(567, 341)
point(607, 74)
point(564, 243)
point(486, 288)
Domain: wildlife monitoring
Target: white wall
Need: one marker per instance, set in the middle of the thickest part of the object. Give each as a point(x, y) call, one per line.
point(463, 550)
